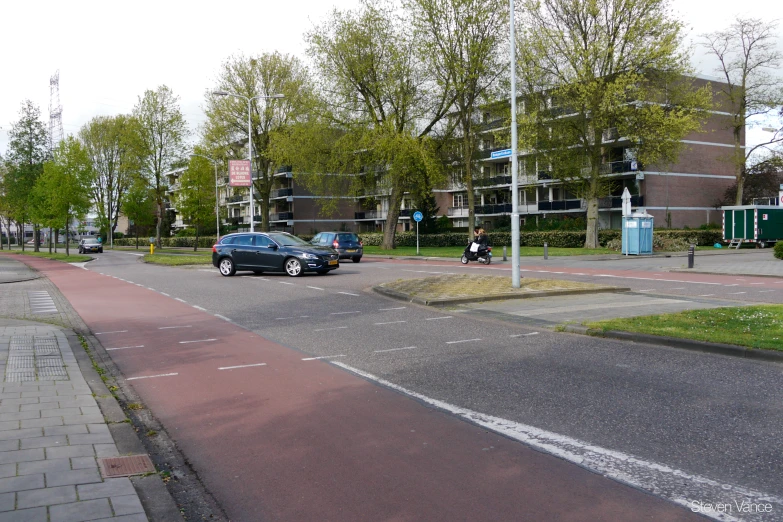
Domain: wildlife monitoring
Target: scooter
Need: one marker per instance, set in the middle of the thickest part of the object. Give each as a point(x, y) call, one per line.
point(481, 255)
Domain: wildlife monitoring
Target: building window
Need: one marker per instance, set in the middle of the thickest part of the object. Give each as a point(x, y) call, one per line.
point(458, 200)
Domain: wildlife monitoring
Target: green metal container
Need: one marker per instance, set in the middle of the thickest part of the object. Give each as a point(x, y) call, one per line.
point(762, 225)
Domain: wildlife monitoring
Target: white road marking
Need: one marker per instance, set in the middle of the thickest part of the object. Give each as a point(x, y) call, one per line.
point(327, 329)
point(284, 283)
point(706, 295)
point(343, 313)
point(180, 300)
point(164, 293)
point(151, 376)
point(765, 291)
point(736, 293)
point(322, 357)
point(676, 485)
point(391, 322)
point(438, 318)
point(115, 331)
point(198, 341)
point(732, 285)
point(395, 308)
point(679, 288)
point(170, 327)
point(124, 347)
point(739, 279)
point(758, 283)
point(315, 288)
point(396, 349)
point(242, 366)
point(199, 308)
point(648, 290)
point(578, 273)
point(524, 335)
point(148, 288)
point(462, 341)
point(348, 293)
point(223, 317)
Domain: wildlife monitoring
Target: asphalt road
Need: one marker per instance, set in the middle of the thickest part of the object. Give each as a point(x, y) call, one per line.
point(624, 410)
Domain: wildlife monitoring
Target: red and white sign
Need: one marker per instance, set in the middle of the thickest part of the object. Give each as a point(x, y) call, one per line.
point(239, 173)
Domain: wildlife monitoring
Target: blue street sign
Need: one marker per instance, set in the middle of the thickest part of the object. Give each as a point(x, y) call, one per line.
point(505, 153)
point(417, 216)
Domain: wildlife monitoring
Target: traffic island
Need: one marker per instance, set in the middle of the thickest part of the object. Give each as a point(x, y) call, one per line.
point(446, 290)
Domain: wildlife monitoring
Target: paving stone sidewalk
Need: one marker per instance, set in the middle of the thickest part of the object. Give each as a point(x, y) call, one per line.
point(52, 434)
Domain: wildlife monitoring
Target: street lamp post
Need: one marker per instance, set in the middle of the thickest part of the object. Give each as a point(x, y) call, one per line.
point(249, 100)
point(217, 198)
point(515, 283)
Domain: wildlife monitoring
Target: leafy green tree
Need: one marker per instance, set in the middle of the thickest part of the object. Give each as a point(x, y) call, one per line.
point(162, 133)
point(597, 65)
point(63, 189)
point(28, 149)
point(196, 199)
point(461, 42)
point(139, 206)
point(256, 78)
point(749, 59)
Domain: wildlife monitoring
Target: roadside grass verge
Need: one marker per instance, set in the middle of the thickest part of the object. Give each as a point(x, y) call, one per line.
point(177, 260)
point(59, 256)
point(750, 326)
point(497, 251)
point(167, 250)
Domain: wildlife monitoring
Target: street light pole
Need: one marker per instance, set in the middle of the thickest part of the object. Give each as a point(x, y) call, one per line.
point(217, 197)
point(514, 166)
point(249, 100)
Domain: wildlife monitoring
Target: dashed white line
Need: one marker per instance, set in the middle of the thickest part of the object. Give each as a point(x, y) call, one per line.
point(732, 285)
point(765, 291)
point(679, 288)
point(706, 295)
point(395, 308)
point(180, 300)
point(199, 308)
point(758, 283)
point(439, 318)
point(396, 349)
point(391, 322)
point(164, 293)
point(462, 341)
point(648, 290)
point(343, 313)
point(115, 331)
point(170, 327)
point(285, 283)
point(151, 376)
point(322, 357)
point(524, 335)
point(124, 347)
point(224, 318)
point(327, 329)
point(736, 293)
point(578, 273)
point(198, 341)
point(348, 293)
point(241, 366)
point(315, 288)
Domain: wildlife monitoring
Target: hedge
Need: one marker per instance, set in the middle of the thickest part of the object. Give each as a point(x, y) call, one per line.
point(779, 250)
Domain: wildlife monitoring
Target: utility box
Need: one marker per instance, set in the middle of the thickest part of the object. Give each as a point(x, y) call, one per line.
point(759, 224)
point(638, 233)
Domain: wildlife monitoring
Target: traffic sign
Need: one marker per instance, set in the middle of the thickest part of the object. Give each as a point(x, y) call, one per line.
point(505, 153)
point(417, 216)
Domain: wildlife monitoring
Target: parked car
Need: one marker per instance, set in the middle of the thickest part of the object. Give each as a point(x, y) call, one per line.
point(90, 244)
point(347, 244)
point(272, 252)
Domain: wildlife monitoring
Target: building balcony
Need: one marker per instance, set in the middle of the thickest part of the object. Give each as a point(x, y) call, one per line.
point(563, 204)
point(617, 202)
point(617, 167)
point(238, 198)
point(493, 181)
point(281, 216)
point(370, 214)
point(281, 193)
point(499, 208)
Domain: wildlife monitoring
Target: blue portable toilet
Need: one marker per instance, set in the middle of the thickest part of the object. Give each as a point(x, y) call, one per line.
point(638, 233)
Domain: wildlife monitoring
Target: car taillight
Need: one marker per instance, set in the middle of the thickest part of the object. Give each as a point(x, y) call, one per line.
point(489, 249)
point(335, 244)
point(214, 249)
point(361, 243)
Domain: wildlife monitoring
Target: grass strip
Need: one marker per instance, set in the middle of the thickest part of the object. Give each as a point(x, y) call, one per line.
point(497, 252)
point(751, 326)
point(59, 256)
point(177, 260)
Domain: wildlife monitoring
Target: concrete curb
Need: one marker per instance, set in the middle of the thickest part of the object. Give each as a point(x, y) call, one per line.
point(692, 271)
point(401, 296)
point(685, 344)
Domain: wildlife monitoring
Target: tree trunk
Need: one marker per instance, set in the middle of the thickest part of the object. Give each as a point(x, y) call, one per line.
point(393, 215)
point(137, 236)
point(20, 234)
point(50, 240)
point(159, 225)
point(36, 239)
point(67, 239)
point(467, 157)
point(57, 238)
point(591, 236)
point(195, 245)
point(740, 184)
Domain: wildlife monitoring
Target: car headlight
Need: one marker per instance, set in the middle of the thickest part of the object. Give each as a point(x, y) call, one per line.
point(305, 255)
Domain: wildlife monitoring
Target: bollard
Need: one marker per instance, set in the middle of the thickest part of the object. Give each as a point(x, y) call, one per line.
point(505, 253)
point(152, 248)
point(691, 253)
point(546, 250)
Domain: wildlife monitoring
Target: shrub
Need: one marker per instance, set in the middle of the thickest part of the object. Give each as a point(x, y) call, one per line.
point(779, 250)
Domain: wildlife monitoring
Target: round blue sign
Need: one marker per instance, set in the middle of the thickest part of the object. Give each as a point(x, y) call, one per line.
point(418, 216)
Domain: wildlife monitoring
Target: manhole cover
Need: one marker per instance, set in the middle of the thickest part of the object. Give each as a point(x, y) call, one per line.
point(125, 466)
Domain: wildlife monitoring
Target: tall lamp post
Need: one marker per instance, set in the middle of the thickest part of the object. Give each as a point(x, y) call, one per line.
point(217, 198)
point(515, 283)
point(249, 100)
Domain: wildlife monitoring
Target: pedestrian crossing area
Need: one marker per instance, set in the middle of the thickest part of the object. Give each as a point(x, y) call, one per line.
point(41, 302)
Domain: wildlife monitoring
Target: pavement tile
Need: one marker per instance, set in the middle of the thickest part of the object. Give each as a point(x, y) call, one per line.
point(84, 463)
point(46, 497)
point(91, 410)
point(65, 430)
point(39, 394)
point(126, 505)
point(78, 476)
point(27, 455)
point(40, 406)
point(138, 517)
point(106, 450)
point(7, 501)
point(81, 419)
point(98, 428)
point(11, 408)
point(79, 403)
point(81, 511)
point(84, 450)
point(9, 425)
point(8, 470)
point(22, 483)
point(113, 487)
point(20, 415)
point(98, 438)
point(9, 445)
point(26, 433)
point(25, 515)
point(61, 412)
point(10, 395)
point(39, 423)
point(18, 402)
point(53, 441)
point(44, 466)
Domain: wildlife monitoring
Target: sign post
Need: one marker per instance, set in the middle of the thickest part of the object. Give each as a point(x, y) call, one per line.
point(239, 176)
point(417, 216)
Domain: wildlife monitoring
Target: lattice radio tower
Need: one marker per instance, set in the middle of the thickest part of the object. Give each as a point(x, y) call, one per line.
point(55, 112)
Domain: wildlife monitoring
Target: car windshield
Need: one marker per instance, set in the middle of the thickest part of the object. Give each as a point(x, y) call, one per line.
point(288, 240)
point(347, 237)
point(90, 241)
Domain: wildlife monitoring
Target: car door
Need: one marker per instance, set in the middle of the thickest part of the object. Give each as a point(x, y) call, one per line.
point(242, 251)
point(267, 254)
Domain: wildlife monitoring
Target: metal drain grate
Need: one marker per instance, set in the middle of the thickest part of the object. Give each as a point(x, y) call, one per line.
point(52, 372)
point(125, 466)
point(22, 340)
point(22, 376)
point(20, 362)
point(49, 362)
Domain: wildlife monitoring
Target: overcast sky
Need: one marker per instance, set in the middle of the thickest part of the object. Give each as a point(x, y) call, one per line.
point(109, 53)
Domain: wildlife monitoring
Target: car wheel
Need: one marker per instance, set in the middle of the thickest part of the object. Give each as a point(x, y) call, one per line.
point(226, 267)
point(356, 259)
point(80, 251)
point(100, 251)
point(488, 260)
point(464, 259)
point(293, 267)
